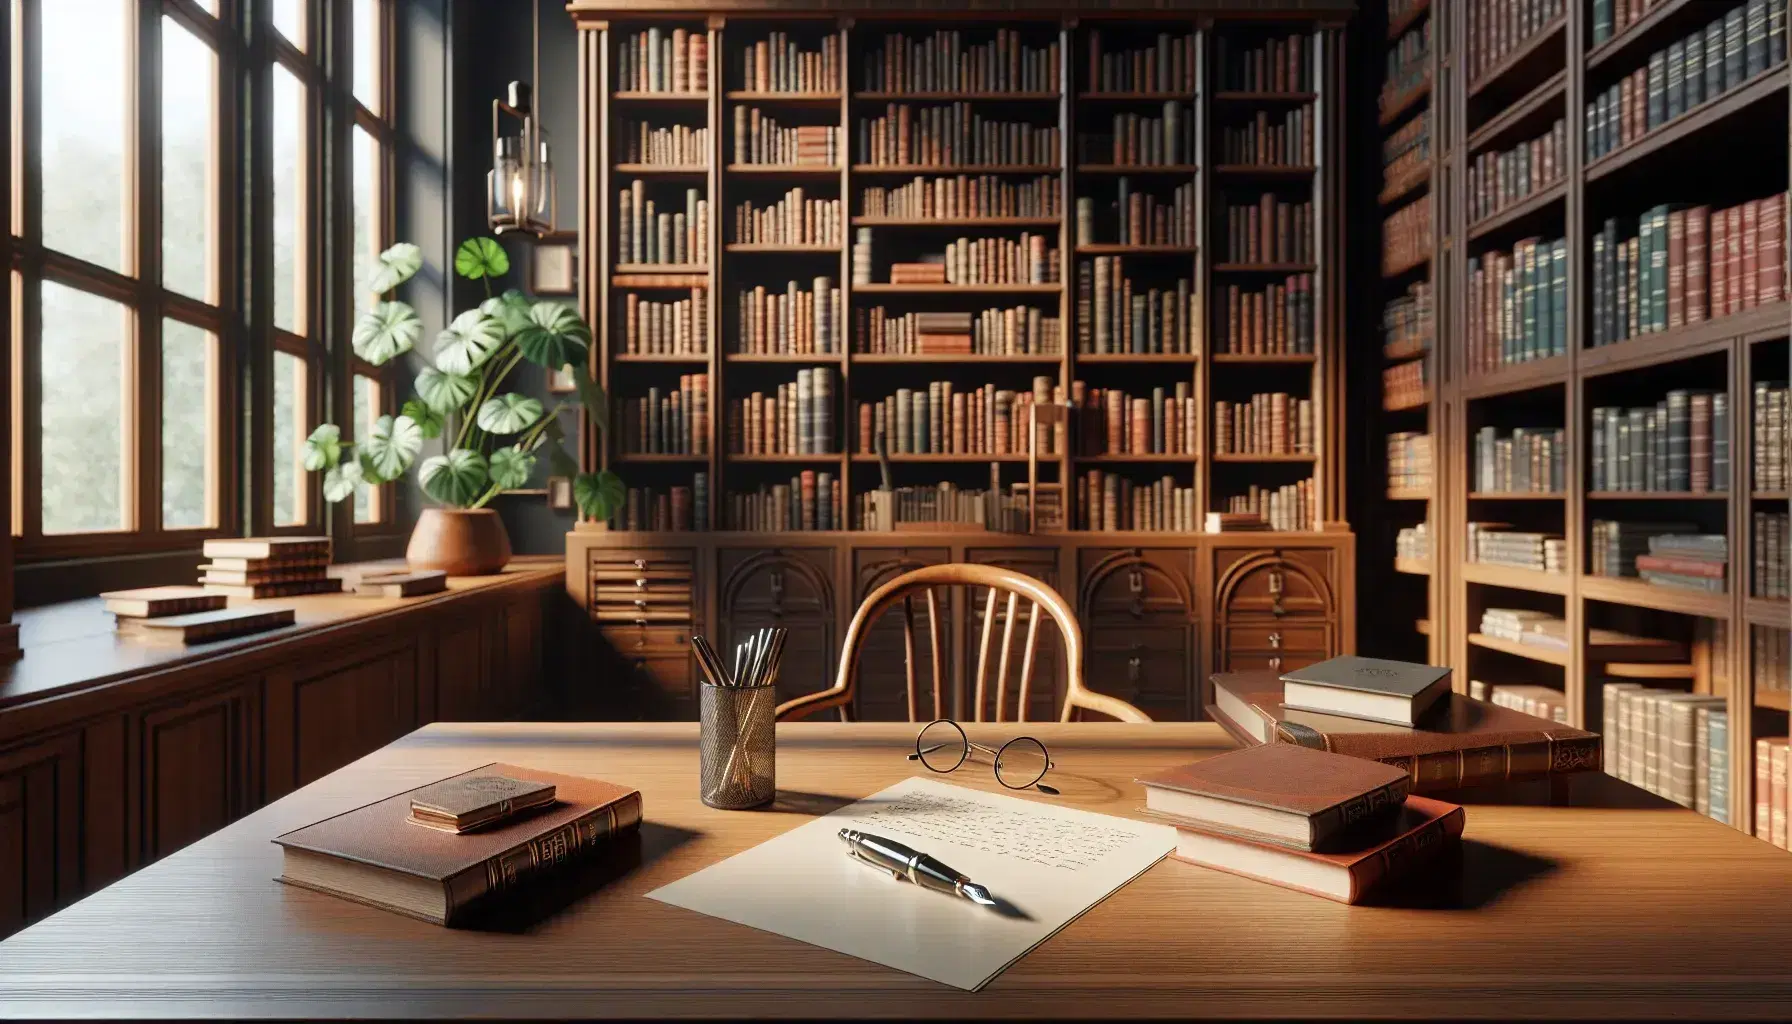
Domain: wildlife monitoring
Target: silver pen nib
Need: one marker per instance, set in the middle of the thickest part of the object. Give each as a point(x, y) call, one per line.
point(977, 893)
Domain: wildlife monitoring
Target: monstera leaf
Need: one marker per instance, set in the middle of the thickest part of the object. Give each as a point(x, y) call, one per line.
point(481, 257)
point(387, 330)
point(391, 446)
point(341, 480)
point(468, 342)
point(510, 309)
point(445, 392)
point(599, 494)
point(508, 413)
point(556, 335)
point(457, 478)
point(323, 449)
point(429, 422)
point(396, 266)
point(511, 468)
point(591, 395)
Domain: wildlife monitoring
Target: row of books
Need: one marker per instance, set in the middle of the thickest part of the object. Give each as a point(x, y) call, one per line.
point(1270, 230)
point(1613, 16)
point(1275, 320)
point(1279, 64)
point(1112, 422)
point(647, 234)
point(1406, 236)
point(1772, 435)
point(796, 419)
point(1290, 507)
point(794, 321)
point(1406, 325)
point(1017, 330)
point(678, 508)
point(1167, 64)
point(670, 146)
point(942, 61)
point(944, 419)
point(1409, 460)
point(1405, 385)
point(1413, 542)
point(1136, 140)
point(1498, 27)
point(1408, 65)
point(760, 139)
point(678, 327)
point(1773, 790)
point(1672, 743)
point(1502, 178)
point(1682, 443)
point(1518, 304)
point(1528, 460)
point(1109, 501)
point(962, 198)
point(1677, 265)
point(795, 219)
point(944, 502)
point(1270, 141)
point(1526, 626)
point(1536, 701)
point(777, 63)
point(952, 134)
point(812, 500)
point(1688, 561)
point(1029, 259)
point(1771, 580)
point(1615, 544)
point(1139, 218)
point(1115, 315)
point(669, 422)
point(1407, 150)
point(1729, 51)
point(660, 61)
point(1499, 544)
point(1271, 423)
point(1771, 659)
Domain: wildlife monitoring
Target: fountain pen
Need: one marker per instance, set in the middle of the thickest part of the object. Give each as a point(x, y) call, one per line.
point(910, 865)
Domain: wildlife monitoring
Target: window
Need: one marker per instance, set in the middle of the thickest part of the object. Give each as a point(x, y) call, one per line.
point(189, 163)
point(370, 145)
point(84, 129)
point(291, 400)
point(190, 435)
point(84, 411)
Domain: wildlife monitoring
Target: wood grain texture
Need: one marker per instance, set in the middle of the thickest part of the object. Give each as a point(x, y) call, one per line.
point(1617, 907)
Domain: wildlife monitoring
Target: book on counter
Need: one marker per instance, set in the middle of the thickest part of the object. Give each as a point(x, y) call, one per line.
point(1373, 689)
point(374, 855)
point(402, 584)
point(148, 602)
point(198, 627)
point(1466, 743)
point(1404, 841)
point(468, 802)
point(282, 548)
point(284, 588)
point(1281, 794)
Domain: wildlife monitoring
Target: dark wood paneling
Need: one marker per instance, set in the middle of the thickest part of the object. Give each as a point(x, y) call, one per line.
point(788, 587)
point(40, 810)
point(462, 665)
point(195, 764)
point(883, 678)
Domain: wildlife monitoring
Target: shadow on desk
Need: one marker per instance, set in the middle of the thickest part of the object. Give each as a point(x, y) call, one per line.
point(1583, 789)
point(538, 902)
point(1471, 875)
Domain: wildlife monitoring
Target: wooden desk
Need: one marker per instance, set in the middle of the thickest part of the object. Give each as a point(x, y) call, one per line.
point(1642, 912)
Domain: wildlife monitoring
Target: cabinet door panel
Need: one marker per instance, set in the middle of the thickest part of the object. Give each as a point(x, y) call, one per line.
point(1151, 668)
point(197, 761)
point(461, 668)
point(324, 716)
point(40, 830)
point(788, 587)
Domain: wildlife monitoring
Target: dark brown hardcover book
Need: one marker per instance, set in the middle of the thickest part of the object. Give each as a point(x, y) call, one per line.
point(151, 602)
point(199, 627)
point(292, 588)
point(1751, 264)
point(1698, 276)
point(1422, 829)
point(1467, 743)
point(286, 548)
point(1376, 689)
point(209, 573)
point(1771, 249)
point(467, 802)
point(374, 855)
point(405, 584)
point(267, 564)
point(1280, 793)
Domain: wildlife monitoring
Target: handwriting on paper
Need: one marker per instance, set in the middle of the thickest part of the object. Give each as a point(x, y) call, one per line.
point(1053, 842)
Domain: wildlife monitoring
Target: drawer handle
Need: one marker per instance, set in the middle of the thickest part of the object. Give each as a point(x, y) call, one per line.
point(1132, 671)
point(640, 563)
point(1135, 585)
point(641, 583)
point(640, 602)
point(1275, 594)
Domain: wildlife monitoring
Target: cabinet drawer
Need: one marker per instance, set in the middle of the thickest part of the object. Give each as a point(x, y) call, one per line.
point(630, 641)
point(1251, 661)
point(668, 674)
point(1148, 667)
point(1278, 636)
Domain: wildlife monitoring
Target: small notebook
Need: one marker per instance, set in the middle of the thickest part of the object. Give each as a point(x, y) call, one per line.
point(198, 627)
point(467, 802)
point(1373, 689)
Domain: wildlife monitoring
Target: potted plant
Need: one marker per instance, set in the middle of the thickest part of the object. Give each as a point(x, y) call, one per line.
point(494, 436)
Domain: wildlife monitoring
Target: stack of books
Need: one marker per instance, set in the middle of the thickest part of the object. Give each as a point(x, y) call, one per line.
point(1661, 738)
point(941, 334)
point(1516, 625)
point(1690, 561)
point(1495, 544)
point(1320, 823)
point(183, 615)
point(1234, 522)
point(929, 270)
point(260, 567)
point(1536, 701)
point(1413, 542)
point(1616, 545)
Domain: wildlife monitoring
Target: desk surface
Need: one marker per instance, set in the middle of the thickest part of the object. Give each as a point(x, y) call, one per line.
point(1644, 911)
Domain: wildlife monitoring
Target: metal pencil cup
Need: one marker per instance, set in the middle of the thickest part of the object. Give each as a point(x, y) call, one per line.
point(739, 746)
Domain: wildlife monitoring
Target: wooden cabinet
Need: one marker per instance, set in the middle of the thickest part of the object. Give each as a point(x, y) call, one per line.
point(646, 602)
point(1140, 619)
point(882, 694)
point(195, 761)
point(40, 829)
point(1276, 608)
point(336, 709)
point(790, 587)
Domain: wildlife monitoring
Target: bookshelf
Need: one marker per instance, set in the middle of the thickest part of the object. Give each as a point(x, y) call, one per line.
point(1535, 181)
point(1091, 181)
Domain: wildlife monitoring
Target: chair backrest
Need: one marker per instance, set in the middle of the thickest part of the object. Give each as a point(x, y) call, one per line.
point(1002, 585)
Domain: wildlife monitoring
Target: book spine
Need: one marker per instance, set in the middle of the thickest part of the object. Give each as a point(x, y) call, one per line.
point(578, 839)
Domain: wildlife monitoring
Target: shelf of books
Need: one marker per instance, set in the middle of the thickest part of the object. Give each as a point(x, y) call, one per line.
point(843, 272)
point(1613, 456)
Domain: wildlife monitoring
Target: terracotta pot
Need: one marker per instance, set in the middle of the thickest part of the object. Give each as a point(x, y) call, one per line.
point(460, 542)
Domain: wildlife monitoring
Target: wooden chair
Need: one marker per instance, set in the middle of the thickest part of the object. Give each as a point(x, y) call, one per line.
point(1017, 586)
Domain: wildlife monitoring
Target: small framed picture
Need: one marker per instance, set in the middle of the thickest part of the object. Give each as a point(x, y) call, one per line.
point(561, 381)
point(560, 493)
point(551, 264)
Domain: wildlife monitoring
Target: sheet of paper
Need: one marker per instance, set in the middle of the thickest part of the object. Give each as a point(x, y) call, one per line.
point(1045, 865)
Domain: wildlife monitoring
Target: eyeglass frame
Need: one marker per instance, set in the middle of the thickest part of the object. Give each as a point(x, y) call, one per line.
point(995, 753)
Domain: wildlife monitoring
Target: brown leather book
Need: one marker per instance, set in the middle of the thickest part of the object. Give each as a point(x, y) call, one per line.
point(375, 855)
point(198, 627)
point(289, 588)
point(402, 584)
point(145, 602)
point(1421, 830)
point(268, 547)
point(1467, 742)
point(1281, 793)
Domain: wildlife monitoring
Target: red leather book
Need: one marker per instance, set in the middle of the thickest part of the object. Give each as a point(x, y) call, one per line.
point(1719, 263)
point(1771, 251)
point(1751, 263)
point(1733, 259)
point(1698, 255)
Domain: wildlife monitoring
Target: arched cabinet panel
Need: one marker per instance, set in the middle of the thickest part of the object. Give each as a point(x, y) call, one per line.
point(1275, 608)
point(789, 587)
point(1140, 621)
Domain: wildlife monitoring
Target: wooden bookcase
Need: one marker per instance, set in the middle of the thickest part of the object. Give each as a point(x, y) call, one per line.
point(1726, 150)
point(1075, 105)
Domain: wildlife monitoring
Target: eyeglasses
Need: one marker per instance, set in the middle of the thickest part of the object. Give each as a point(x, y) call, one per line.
point(1020, 763)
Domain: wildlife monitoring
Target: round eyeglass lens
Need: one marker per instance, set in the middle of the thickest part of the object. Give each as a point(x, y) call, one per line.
point(942, 746)
point(1020, 763)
